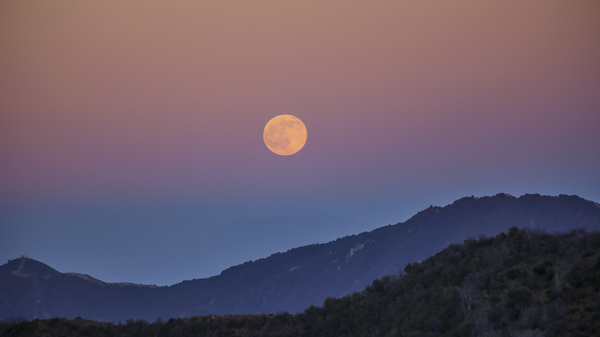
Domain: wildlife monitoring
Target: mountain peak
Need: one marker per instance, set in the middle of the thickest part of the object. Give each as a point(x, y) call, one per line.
point(296, 279)
point(26, 267)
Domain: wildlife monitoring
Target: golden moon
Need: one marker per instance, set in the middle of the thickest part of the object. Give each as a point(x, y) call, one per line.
point(285, 135)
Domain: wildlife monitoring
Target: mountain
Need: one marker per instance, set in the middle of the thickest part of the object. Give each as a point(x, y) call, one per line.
point(24, 268)
point(521, 283)
point(32, 289)
point(296, 279)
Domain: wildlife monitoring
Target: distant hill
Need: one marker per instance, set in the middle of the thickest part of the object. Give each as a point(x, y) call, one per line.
point(520, 283)
point(296, 279)
point(31, 289)
point(24, 268)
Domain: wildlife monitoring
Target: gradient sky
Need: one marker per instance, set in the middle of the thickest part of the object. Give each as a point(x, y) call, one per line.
point(131, 131)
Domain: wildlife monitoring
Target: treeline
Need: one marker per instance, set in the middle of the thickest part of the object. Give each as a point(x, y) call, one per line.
point(283, 324)
point(520, 283)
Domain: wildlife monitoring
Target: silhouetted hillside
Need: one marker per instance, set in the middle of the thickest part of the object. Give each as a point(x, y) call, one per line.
point(31, 289)
point(24, 267)
point(523, 283)
point(300, 277)
point(520, 283)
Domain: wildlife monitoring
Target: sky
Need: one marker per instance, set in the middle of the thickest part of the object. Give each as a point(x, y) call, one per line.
point(131, 141)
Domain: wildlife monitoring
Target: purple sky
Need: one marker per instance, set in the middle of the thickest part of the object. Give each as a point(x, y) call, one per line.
point(131, 132)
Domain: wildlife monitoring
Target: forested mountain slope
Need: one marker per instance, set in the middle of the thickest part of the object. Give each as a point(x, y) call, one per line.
point(523, 283)
point(298, 278)
point(520, 283)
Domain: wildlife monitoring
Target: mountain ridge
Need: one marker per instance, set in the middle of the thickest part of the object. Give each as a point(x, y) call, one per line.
point(302, 276)
point(519, 283)
point(25, 267)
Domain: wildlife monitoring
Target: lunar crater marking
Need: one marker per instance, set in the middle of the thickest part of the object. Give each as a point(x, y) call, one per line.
point(285, 135)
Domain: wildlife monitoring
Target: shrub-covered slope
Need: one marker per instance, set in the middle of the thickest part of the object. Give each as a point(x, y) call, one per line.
point(293, 280)
point(520, 283)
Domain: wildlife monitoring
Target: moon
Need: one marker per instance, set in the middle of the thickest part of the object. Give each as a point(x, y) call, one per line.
point(285, 135)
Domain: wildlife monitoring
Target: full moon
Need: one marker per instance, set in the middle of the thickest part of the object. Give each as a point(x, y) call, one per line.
point(285, 135)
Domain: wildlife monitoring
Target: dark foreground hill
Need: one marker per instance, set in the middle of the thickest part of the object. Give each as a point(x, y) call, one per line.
point(296, 279)
point(520, 283)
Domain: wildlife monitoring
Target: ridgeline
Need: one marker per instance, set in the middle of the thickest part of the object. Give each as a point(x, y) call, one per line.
point(289, 281)
point(520, 283)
